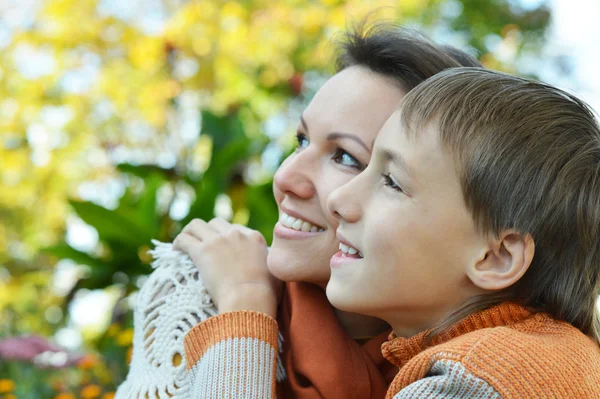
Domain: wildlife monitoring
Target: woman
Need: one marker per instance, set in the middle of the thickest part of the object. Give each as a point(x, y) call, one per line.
point(377, 67)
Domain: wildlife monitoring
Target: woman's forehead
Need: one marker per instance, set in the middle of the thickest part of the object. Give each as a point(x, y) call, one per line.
point(354, 100)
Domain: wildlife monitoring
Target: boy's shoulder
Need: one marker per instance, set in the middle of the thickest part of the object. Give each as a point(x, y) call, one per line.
point(538, 354)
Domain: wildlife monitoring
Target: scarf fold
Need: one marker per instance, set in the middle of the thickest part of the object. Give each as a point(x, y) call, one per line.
point(320, 359)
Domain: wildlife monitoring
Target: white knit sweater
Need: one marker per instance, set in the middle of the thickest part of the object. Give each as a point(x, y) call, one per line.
point(170, 303)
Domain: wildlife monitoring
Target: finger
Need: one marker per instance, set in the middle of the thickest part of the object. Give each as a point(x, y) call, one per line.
point(200, 229)
point(220, 225)
point(186, 243)
point(253, 235)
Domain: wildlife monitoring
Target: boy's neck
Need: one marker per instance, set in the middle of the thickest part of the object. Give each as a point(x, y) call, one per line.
point(359, 326)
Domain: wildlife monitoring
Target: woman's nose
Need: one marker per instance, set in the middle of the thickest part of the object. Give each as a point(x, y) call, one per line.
point(294, 178)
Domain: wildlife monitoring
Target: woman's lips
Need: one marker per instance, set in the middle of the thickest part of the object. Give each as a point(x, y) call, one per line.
point(285, 232)
point(295, 216)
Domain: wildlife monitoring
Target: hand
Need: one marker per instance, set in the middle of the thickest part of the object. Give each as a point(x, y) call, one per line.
point(232, 261)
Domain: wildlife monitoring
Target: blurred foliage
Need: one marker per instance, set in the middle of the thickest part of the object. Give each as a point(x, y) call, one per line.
point(119, 119)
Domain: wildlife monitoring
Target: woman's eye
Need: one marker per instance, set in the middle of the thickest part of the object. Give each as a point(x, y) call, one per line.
point(302, 141)
point(388, 180)
point(344, 158)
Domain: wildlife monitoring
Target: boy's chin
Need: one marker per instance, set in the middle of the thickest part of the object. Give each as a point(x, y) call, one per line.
point(341, 296)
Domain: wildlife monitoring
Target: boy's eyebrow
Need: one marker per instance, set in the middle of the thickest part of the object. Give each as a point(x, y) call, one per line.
point(396, 158)
point(337, 135)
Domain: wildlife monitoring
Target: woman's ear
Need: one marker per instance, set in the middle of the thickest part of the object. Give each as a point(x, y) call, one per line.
point(504, 262)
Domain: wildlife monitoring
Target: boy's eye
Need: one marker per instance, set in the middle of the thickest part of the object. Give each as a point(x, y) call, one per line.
point(388, 180)
point(302, 141)
point(344, 158)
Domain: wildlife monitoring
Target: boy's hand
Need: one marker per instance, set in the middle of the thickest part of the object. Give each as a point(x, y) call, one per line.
point(232, 261)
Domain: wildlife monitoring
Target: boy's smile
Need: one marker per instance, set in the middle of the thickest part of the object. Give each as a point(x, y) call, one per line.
point(406, 215)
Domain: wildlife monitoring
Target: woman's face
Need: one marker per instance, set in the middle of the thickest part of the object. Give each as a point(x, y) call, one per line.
point(413, 239)
point(335, 138)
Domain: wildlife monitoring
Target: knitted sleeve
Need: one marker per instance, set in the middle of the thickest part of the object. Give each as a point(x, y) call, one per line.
point(233, 355)
point(449, 380)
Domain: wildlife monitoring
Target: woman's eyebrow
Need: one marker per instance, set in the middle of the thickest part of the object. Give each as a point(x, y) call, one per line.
point(303, 122)
point(337, 135)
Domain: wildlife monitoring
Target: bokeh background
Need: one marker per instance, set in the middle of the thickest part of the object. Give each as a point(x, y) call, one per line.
point(120, 121)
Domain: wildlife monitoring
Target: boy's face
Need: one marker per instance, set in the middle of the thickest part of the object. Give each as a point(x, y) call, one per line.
point(406, 216)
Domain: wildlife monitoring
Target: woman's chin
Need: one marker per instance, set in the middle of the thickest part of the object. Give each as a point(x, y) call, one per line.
point(289, 267)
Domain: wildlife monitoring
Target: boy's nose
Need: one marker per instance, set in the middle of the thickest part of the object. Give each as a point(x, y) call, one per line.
point(343, 203)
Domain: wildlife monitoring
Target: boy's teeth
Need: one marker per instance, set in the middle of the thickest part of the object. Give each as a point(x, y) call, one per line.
point(298, 224)
point(349, 250)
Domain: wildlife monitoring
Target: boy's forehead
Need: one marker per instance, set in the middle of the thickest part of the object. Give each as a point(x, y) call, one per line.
point(412, 130)
point(419, 147)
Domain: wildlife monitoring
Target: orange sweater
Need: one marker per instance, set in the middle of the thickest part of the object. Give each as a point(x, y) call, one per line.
point(517, 353)
point(309, 333)
point(502, 352)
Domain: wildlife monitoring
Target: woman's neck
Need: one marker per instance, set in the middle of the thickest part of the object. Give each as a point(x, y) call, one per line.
point(359, 326)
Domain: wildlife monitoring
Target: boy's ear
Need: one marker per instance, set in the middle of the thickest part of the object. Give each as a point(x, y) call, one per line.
point(504, 262)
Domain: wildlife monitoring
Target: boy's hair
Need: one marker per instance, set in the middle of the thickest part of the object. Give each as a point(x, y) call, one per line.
point(402, 55)
point(528, 159)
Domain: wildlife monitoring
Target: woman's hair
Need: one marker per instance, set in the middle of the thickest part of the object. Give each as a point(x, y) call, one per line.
point(528, 159)
point(402, 55)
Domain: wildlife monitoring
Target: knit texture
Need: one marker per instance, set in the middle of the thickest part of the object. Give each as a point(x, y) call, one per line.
point(169, 304)
point(233, 355)
point(518, 353)
point(230, 354)
point(448, 379)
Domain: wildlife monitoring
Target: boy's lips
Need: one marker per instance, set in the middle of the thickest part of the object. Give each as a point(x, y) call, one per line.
point(348, 244)
point(348, 253)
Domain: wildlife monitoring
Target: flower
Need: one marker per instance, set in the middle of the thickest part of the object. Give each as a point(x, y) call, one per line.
point(87, 362)
point(90, 392)
point(125, 338)
point(6, 385)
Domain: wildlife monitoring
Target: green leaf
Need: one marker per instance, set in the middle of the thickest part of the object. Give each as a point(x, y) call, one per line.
point(111, 225)
point(222, 129)
point(263, 209)
point(203, 206)
point(64, 251)
point(143, 210)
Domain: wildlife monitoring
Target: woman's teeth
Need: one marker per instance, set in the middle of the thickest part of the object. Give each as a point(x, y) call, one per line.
point(349, 250)
point(299, 224)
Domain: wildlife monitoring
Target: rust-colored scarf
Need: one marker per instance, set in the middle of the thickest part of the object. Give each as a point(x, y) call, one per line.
point(320, 359)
